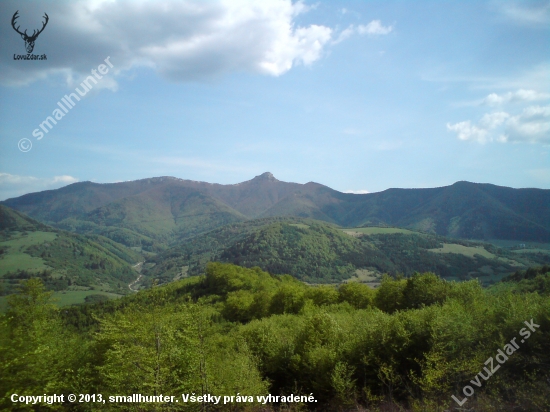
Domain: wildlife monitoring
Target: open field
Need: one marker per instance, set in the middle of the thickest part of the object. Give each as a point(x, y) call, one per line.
point(471, 251)
point(16, 258)
point(463, 250)
point(19, 260)
point(28, 239)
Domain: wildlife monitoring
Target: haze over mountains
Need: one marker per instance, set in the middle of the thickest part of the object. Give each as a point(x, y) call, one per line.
point(163, 210)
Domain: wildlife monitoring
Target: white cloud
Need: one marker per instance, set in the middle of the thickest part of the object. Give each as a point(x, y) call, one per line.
point(180, 40)
point(15, 185)
point(531, 125)
point(357, 192)
point(375, 27)
point(466, 131)
point(490, 121)
point(345, 34)
point(521, 122)
point(521, 95)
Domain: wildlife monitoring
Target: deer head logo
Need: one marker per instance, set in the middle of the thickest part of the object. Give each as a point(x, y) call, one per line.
point(29, 40)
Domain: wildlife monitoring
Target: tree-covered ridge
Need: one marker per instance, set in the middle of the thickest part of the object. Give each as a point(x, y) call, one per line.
point(311, 252)
point(318, 252)
point(154, 213)
point(412, 342)
point(12, 220)
point(122, 235)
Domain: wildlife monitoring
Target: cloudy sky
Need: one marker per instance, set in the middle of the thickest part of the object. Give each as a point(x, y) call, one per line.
point(357, 95)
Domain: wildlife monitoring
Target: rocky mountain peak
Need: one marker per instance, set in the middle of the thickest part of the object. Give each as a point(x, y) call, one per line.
point(266, 176)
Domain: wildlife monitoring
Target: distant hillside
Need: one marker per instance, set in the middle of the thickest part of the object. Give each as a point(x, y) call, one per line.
point(318, 252)
point(73, 264)
point(309, 250)
point(13, 220)
point(153, 213)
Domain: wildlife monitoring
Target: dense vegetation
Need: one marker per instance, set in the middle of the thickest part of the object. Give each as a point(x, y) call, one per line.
point(412, 342)
point(318, 252)
point(530, 280)
point(309, 250)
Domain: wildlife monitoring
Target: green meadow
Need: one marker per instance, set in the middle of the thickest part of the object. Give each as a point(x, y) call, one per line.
point(16, 257)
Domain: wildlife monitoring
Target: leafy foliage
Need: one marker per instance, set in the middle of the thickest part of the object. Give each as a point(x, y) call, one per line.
point(238, 330)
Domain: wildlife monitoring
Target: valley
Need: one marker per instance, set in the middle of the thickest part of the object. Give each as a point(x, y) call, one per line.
point(74, 266)
point(113, 239)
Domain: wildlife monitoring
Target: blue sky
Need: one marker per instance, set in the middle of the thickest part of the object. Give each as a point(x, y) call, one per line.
point(357, 95)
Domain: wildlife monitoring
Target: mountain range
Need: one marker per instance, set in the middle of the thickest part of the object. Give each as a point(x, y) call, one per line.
point(157, 212)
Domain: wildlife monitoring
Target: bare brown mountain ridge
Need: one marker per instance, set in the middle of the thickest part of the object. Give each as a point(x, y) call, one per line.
point(165, 209)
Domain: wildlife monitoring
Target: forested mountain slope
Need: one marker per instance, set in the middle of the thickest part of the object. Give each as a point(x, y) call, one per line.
point(156, 212)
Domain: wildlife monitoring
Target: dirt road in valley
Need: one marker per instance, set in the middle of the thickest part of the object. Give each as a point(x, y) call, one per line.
point(137, 267)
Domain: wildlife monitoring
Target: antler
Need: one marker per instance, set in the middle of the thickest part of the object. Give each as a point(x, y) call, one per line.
point(15, 16)
point(34, 33)
point(43, 26)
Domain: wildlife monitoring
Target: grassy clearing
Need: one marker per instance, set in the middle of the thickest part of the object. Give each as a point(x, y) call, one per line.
point(16, 258)
point(378, 230)
point(463, 250)
point(471, 251)
point(29, 239)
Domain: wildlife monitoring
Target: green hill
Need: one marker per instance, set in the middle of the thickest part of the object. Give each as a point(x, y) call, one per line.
point(75, 266)
point(318, 252)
